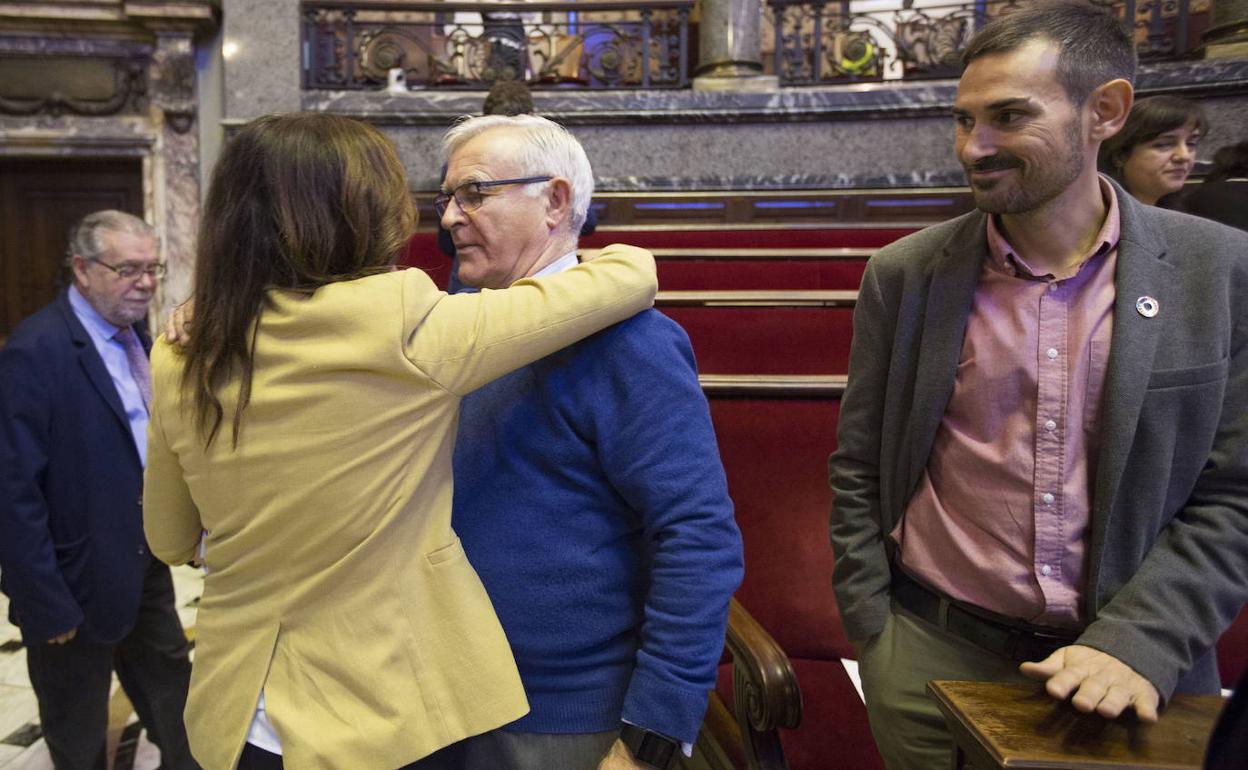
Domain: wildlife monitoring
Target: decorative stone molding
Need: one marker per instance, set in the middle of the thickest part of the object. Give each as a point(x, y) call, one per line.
point(867, 101)
point(131, 37)
point(128, 95)
point(173, 79)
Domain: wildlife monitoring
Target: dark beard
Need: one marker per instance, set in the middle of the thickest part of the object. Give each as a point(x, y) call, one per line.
point(1031, 191)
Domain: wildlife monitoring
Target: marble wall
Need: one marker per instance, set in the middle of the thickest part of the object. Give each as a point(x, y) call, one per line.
point(738, 156)
point(262, 65)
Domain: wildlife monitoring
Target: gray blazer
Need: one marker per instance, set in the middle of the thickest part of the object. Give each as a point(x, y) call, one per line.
point(1168, 550)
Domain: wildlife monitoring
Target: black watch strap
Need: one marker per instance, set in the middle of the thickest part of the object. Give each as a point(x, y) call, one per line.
point(648, 747)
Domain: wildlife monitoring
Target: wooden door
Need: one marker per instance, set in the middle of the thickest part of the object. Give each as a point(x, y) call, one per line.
point(39, 201)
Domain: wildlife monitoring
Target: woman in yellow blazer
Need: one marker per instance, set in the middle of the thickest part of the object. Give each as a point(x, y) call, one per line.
point(308, 428)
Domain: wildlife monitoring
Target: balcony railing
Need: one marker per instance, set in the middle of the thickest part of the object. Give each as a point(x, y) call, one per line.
point(456, 45)
point(819, 42)
point(645, 44)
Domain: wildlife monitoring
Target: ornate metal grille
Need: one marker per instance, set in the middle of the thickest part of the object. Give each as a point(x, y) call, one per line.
point(450, 45)
point(813, 42)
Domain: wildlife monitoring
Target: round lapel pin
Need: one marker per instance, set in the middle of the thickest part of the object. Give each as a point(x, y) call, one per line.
point(1147, 306)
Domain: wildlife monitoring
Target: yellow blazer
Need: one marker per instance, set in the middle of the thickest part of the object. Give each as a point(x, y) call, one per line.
point(334, 579)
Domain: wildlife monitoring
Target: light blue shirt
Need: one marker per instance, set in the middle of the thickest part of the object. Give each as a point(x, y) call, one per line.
point(114, 355)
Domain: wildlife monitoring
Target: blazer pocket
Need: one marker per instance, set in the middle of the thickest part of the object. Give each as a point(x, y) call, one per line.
point(447, 553)
point(1188, 376)
point(71, 560)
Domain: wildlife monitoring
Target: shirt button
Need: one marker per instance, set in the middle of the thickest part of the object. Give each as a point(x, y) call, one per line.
point(1051, 353)
point(1052, 286)
point(1046, 570)
point(1050, 426)
point(1048, 498)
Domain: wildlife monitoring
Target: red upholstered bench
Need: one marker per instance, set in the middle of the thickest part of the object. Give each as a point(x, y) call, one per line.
point(793, 340)
point(712, 273)
point(749, 238)
point(1233, 650)
point(775, 454)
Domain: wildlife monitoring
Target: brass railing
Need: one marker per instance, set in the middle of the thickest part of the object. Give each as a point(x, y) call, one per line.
point(819, 42)
point(595, 44)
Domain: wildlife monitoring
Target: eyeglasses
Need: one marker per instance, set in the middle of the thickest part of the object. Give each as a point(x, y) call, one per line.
point(468, 195)
point(128, 272)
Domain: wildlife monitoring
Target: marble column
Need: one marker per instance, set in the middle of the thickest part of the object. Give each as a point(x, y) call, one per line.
point(730, 49)
point(1227, 35)
point(175, 161)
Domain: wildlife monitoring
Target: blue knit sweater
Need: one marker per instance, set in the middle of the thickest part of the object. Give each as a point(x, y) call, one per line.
point(590, 497)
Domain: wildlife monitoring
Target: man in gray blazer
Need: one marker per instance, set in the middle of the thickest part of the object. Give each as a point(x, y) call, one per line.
point(1043, 447)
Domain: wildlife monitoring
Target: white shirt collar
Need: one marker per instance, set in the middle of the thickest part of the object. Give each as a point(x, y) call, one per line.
point(566, 262)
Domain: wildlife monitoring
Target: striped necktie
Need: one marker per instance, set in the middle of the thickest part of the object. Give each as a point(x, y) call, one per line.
point(136, 357)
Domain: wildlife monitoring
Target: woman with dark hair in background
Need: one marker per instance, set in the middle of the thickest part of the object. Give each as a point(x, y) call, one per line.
point(1155, 151)
point(1223, 196)
point(307, 429)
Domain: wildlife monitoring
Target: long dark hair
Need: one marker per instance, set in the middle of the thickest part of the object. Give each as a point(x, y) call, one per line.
point(296, 202)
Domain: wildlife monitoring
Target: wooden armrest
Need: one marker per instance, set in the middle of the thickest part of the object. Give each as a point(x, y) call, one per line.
point(765, 695)
point(764, 684)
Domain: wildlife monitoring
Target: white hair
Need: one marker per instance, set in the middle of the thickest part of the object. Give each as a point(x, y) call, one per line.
point(547, 148)
point(86, 239)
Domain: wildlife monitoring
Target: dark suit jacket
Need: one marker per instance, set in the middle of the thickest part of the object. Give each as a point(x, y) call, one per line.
point(1228, 745)
point(1225, 202)
point(1167, 570)
point(72, 552)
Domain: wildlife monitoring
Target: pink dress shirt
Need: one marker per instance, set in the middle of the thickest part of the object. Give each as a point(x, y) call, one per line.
point(1001, 513)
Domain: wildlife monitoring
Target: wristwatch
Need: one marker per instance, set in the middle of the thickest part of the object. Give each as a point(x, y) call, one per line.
point(648, 747)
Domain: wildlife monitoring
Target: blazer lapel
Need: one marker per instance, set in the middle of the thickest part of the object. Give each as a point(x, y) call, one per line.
point(1141, 272)
point(90, 361)
point(950, 296)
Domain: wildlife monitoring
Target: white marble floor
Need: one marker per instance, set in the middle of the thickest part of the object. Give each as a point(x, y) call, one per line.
point(19, 712)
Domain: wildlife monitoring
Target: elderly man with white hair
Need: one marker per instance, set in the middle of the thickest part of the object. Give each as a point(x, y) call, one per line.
point(589, 492)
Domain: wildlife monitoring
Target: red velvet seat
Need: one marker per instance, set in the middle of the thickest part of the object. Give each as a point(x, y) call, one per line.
point(422, 251)
point(710, 273)
point(1233, 650)
point(762, 238)
point(767, 340)
point(775, 454)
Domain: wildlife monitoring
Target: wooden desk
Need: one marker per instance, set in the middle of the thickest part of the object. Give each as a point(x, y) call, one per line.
point(998, 726)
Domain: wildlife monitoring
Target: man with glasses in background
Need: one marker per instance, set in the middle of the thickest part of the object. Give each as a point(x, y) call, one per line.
point(83, 587)
point(589, 493)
